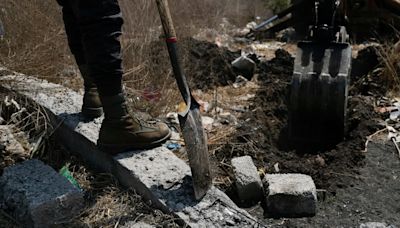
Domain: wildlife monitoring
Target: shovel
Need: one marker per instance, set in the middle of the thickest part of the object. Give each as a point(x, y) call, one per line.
point(190, 119)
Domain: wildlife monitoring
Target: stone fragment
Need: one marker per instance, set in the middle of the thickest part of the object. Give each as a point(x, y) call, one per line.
point(245, 66)
point(240, 82)
point(207, 122)
point(248, 181)
point(290, 195)
point(8, 140)
point(37, 196)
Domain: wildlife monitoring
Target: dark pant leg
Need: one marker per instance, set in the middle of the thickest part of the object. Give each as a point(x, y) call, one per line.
point(73, 32)
point(99, 25)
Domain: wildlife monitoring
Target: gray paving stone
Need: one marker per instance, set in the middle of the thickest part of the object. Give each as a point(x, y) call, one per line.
point(247, 179)
point(37, 195)
point(290, 195)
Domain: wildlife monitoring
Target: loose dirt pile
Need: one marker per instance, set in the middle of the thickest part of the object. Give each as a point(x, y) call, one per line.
point(205, 64)
point(261, 132)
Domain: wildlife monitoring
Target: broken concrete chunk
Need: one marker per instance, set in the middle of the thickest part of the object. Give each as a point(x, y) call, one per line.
point(245, 66)
point(290, 195)
point(37, 196)
point(248, 182)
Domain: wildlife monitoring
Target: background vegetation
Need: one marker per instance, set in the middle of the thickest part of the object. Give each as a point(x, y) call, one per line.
point(35, 41)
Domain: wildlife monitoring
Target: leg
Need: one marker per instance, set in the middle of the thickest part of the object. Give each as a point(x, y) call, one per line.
point(73, 32)
point(91, 107)
point(100, 23)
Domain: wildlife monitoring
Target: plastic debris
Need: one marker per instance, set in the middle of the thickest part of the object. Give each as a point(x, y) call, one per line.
point(174, 146)
point(64, 171)
point(151, 94)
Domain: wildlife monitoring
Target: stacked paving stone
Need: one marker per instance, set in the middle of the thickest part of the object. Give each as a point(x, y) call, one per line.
point(285, 195)
point(248, 182)
point(290, 195)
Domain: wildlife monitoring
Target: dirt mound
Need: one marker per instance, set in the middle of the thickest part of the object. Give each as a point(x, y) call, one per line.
point(262, 132)
point(205, 64)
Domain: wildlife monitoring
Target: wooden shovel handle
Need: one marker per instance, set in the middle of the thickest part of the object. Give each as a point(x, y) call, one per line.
point(166, 19)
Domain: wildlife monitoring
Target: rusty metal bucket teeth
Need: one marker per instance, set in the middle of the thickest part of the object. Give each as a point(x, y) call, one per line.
point(319, 91)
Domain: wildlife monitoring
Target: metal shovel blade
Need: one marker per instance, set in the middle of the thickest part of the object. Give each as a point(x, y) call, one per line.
point(196, 147)
point(190, 119)
point(319, 91)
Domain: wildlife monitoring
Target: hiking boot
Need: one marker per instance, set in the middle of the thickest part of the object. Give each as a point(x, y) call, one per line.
point(91, 107)
point(122, 131)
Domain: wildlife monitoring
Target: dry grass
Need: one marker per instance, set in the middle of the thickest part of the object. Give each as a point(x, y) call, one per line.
point(108, 204)
point(390, 59)
point(35, 43)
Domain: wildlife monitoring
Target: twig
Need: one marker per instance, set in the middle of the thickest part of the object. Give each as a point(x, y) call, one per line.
point(397, 146)
point(369, 138)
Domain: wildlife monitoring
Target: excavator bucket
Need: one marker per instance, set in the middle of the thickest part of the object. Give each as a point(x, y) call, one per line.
point(319, 91)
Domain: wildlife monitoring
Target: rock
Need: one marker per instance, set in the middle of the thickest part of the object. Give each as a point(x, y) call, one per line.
point(245, 66)
point(207, 122)
point(172, 118)
point(227, 118)
point(287, 35)
point(376, 225)
point(248, 181)
point(290, 195)
point(9, 142)
point(251, 25)
point(276, 168)
point(240, 82)
point(37, 196)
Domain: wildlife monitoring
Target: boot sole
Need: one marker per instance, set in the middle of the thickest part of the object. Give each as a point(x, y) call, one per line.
point(92, 113)
point(115, 149)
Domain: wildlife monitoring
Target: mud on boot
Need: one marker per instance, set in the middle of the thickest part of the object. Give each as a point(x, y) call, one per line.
point(121, 131)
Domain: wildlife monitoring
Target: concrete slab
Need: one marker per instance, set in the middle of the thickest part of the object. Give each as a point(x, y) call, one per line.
point(248, 181)
point(158, 175)
point(37, 196)
point(290, 195)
